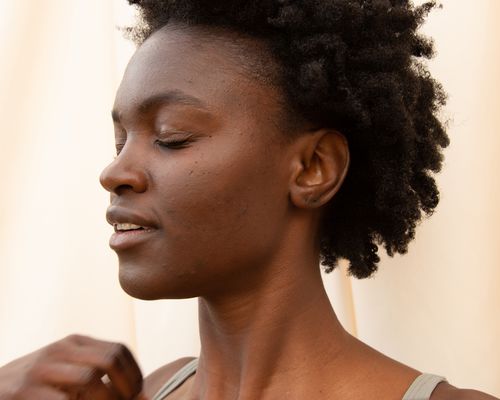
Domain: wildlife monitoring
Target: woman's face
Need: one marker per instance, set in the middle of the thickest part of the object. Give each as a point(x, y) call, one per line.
point(199, 166)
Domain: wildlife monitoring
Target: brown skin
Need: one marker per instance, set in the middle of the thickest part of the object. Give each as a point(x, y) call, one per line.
point(71, 369)
point(236, 214)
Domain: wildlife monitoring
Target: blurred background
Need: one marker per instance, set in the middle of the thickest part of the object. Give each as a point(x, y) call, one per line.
point(436, 308)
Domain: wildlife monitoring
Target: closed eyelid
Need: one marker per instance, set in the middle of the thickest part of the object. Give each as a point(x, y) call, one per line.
point(169, 120)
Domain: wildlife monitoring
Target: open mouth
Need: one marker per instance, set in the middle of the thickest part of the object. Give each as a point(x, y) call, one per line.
point(127, 227)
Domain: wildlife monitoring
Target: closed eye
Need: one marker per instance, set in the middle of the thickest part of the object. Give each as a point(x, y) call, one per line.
point(173, 144)
point(170, 144)
point(119, 147)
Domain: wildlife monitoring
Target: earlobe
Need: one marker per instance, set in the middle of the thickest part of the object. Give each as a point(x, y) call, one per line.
point(320, 169)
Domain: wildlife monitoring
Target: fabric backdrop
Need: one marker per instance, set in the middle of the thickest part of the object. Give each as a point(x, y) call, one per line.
point(436, 308)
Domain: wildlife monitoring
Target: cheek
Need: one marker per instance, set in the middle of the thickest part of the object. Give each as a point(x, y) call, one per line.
point(225, 204)
point(222, 214)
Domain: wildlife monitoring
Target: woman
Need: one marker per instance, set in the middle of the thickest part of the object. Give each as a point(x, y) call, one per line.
point(256, 139)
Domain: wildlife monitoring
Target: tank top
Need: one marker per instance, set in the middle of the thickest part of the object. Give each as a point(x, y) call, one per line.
point(420, 389)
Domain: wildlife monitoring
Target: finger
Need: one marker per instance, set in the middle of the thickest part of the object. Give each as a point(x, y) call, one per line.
point(130, 360)
point(131, 369)
point(99, 391)
point(63, 374)
point(81, 382)
point(43, 393)
point(114, 392)
point(124, 374)
point(141, 396)
point(113, 359)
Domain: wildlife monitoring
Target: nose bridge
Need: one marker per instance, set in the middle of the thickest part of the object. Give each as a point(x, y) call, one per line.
point(127, 170)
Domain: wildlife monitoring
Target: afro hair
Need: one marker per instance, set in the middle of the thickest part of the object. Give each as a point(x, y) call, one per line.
point(357, 66)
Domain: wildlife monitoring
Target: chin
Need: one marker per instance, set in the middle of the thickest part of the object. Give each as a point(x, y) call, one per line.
point(136, 287)
point(145, 285)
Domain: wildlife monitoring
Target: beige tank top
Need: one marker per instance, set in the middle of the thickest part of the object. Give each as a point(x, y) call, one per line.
point(420, 389)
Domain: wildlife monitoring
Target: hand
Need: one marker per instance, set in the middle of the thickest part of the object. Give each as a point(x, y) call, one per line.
point(71, 369)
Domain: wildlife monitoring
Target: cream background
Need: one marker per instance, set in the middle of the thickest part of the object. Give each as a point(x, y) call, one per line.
point(436, 308)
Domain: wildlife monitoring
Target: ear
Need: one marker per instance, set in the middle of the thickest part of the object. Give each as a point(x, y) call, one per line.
point(319, 168)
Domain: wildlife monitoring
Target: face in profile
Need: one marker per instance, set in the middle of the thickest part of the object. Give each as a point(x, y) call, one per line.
point(198, 168)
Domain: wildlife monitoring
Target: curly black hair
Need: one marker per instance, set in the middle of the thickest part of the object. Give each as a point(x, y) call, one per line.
point(357, 66)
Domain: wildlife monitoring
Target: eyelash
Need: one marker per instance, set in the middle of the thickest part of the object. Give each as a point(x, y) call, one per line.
point(173, 144)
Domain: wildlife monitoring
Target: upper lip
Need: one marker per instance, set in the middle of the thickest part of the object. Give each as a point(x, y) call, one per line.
point(118, 215)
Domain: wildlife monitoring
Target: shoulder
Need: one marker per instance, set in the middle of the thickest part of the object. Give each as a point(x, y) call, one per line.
point(446, 391)
point(154, 381)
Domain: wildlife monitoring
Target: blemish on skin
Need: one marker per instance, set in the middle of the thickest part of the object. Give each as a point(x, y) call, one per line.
point(198, 264)
point(243, 210)
point(191, 172)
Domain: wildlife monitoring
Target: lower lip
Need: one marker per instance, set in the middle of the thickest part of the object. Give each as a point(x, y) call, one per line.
point(127, 239)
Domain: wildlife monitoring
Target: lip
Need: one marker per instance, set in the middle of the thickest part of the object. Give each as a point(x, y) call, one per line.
point(119, 215)
point(123, 240)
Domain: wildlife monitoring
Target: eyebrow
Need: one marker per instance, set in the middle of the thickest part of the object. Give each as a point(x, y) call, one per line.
point(170, 97)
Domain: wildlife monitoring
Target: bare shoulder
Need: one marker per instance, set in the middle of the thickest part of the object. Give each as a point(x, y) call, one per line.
point(155, 380)
point(446, 391)
point(403, 375)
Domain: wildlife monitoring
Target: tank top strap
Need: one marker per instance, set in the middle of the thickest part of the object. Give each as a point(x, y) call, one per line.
point(423, 386)
point(420, 389)
point(176, 380)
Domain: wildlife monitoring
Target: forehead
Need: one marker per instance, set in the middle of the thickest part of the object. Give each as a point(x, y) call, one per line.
point(218, 67)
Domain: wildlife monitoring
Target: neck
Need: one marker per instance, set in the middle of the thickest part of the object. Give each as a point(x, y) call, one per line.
point(264, 341)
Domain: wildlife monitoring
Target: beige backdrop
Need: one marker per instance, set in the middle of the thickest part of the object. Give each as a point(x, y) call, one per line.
point(436, 308)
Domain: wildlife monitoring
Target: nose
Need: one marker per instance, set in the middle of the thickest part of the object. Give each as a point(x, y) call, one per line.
point(124, 173)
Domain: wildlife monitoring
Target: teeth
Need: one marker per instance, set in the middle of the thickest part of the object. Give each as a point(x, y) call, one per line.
point(127, 227)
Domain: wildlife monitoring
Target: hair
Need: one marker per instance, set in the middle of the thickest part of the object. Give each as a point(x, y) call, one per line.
point(357, 66)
